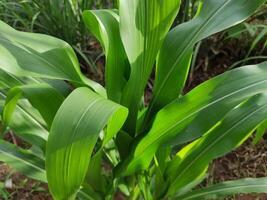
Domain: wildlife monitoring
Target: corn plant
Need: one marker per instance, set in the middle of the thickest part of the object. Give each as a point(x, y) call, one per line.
point(95, 143)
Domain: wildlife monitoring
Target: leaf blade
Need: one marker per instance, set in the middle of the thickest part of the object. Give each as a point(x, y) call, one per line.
point(226, 135)
point(199, 110)
point(38, 55)
point(22, 161)
point(212, 18)
point(143, 27)
point(104, 24)
point(66, 163)
point(248, 185)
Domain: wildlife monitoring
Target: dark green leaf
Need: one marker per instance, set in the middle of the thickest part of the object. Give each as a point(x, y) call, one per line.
point(192, 161)
point(176, 52)
point(104, 24)
point(194, 114)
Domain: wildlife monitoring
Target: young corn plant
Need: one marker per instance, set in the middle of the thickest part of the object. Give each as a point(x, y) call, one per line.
point(88, 142)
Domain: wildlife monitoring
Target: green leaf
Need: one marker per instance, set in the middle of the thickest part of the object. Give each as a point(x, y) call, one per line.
point(94, 175)
point(73, 135)
point(261, 130)
point(190, 116)
point(143, 27)
point(37, 55)
point(248, 185)
point(104, 24)
point(226, 135)
point(31, 166)
point(260, 36)
point(175, 54)
point(8, 80)
point(26, 123)
point(22, 161)
point(43, 97)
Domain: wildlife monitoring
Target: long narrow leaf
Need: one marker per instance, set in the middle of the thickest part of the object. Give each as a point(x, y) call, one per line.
point(42, 96)
point(248, 185)
point(26, 123)
point(37, 55)
point(143, 27)
point(194, 114)
point(104, 24)
point(225, 136)
point(22, 161)
point(176, 52)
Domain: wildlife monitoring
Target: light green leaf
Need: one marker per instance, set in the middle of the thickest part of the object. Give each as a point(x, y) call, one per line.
point(26, 123)
point(73, 135)
point(248, 185)
point(22, 161)
point(226, 135)
point(194, 114)
point(42, 96)
point(94, 175)
point(175, 54)
point(28, 164)
point(261, 130)
point(37, 55)
point(8, 80)
point(104, 24)
point(143, 27)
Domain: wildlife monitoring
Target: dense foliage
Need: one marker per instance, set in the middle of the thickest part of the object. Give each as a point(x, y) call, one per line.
point(93, 142)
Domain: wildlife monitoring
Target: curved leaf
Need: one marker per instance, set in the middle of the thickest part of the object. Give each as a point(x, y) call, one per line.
point(37, 55)
point(176, 52)
point(194, 114)
point(248, 185)
point(226, 135)
point(73, 135)
point(104, 24)
point(143, 27)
